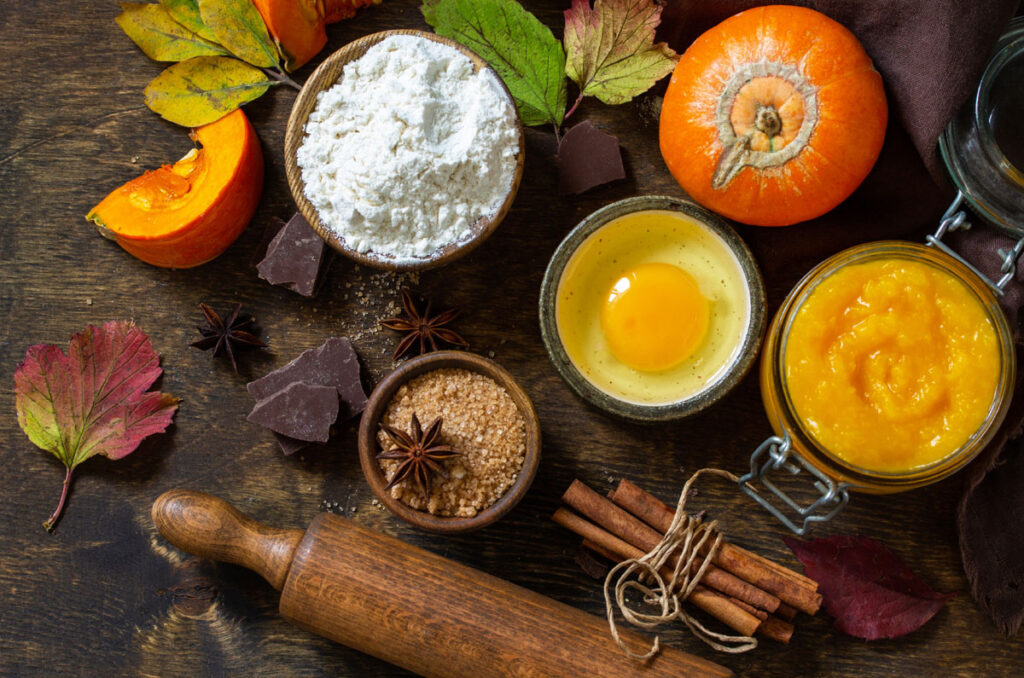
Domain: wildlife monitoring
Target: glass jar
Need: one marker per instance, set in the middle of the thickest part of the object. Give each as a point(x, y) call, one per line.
point(983, 146)
point(793, 432)
point(983, 149)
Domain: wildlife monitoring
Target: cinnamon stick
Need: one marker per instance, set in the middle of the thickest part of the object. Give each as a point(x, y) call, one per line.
point(640, 535)
point(757, 612)
point(614, 549)
point(790, 587)
point(715, 604)
point(771, 626)
point(724, 608)
point(659, 515)
point(776, 629)
point(785, 612)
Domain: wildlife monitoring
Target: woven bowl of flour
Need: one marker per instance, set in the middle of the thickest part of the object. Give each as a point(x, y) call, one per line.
point(404, 150)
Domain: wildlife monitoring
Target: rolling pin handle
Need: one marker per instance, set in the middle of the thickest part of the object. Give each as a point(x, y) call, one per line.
point(209, 527)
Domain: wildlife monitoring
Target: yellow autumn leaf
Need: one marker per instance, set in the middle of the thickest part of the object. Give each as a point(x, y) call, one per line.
point(155, 31)
point(204, 89)
point(237, 24)
point(186, 13)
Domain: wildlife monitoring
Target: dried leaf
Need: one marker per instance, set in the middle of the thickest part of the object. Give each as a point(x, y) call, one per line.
point(162, 38)
point(869, 591)
point(186, 13)
point(610, 50)
point(204, 89)
point(519, 47)
point(237, 25)
point(993, 552)
point(92, 400)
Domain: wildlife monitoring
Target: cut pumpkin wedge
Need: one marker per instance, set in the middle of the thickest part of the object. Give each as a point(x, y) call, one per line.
point(184, 215)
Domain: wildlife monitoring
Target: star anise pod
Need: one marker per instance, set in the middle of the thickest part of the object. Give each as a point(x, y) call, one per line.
point(226, 336)
point(423, 327)
point(420, 454)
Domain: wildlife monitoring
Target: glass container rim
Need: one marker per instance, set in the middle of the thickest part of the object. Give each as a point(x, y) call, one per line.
point(792, 422)
point(981, 197)
point(1005, 55)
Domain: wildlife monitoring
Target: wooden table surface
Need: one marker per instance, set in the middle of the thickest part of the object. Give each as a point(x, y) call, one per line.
point(105, 595)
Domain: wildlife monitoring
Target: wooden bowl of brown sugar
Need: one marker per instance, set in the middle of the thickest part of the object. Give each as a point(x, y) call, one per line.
point(485, 416)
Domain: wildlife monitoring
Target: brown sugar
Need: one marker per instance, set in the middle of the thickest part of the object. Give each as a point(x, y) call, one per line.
point(480, 420)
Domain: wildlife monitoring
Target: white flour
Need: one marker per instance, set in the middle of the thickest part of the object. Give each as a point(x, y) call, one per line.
point(409, 149)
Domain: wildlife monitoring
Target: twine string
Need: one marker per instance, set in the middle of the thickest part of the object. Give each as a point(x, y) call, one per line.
point(687, 537)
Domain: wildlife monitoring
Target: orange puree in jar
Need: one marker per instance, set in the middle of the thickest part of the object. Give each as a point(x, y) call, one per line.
point(891, 364)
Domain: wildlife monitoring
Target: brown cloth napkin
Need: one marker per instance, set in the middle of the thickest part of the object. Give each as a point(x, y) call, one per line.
point(931, 54)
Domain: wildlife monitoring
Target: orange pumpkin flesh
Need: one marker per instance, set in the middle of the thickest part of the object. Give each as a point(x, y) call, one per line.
point(297, 27)
point(773, 117)
point(185, 215)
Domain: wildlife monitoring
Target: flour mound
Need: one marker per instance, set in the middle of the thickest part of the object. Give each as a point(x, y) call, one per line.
point(409, 149)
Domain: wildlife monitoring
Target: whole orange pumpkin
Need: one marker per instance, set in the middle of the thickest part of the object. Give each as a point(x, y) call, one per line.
point(773, 117)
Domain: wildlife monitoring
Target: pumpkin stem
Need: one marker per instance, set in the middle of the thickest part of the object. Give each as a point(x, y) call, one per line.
point(768, 121)
point(734, 158)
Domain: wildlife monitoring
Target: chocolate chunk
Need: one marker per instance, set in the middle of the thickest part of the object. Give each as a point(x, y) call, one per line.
point(334, 363)
point(300, 411)
point(587, 157)
point(290, 445)
point(296, 258)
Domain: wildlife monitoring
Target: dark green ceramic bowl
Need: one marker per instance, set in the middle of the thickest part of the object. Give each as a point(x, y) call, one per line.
point(742, 359)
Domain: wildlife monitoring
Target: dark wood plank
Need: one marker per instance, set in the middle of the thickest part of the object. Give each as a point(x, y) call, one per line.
point(105, 594)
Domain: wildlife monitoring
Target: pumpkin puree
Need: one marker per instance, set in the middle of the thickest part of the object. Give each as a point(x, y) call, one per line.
point(891, 364)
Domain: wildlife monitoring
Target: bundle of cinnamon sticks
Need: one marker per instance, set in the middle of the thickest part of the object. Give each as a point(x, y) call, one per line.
point(748, 593)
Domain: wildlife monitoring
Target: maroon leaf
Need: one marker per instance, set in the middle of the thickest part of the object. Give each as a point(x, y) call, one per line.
point(92, 400)
point(588, 157)
point(869, 591)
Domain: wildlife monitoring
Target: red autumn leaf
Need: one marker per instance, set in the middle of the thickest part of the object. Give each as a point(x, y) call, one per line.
point(92, 400)
point(869, 591)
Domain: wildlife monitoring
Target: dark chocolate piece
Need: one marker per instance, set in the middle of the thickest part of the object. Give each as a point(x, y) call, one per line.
point(334, 363)
point(300, 411)
point(296, 258)
point(289, 445)
point(270, 231)
point(588, 157)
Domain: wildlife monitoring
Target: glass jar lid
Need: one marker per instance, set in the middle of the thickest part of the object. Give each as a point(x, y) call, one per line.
point(983, 146)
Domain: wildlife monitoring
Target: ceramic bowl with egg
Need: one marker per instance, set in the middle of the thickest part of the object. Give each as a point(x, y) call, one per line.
point(652, 308)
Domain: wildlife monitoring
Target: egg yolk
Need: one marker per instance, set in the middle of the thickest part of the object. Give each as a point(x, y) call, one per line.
point(654, 317)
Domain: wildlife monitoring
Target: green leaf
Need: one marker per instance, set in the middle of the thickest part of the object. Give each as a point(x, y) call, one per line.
point(162, 38)
point(94, 400)
point(610, 50)
point(186, 13)
point(237, 25)
point(519, 47)
point(204, 89)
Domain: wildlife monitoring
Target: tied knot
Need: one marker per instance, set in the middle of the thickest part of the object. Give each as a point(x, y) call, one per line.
point(687, 541)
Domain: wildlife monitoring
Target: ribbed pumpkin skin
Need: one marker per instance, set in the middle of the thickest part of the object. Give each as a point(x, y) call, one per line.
point(842, 148)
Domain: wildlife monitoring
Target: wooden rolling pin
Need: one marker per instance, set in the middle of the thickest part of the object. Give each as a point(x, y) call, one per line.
point(407, 606)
